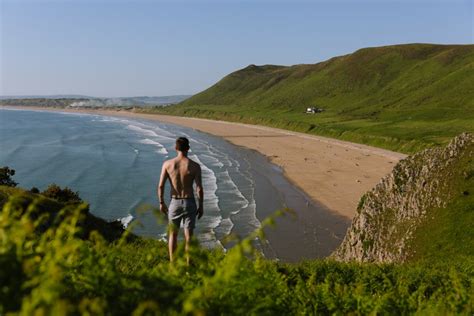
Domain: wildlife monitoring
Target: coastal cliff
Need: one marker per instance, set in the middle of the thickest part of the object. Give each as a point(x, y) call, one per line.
point(425, 193)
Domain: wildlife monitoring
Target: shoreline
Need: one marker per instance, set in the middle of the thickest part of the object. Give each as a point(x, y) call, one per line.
point(331, 172)
point(308, 230)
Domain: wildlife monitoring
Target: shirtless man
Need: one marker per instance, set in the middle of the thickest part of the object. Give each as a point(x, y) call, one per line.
point(182, 172)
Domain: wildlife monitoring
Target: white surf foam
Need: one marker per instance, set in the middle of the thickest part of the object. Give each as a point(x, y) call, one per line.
point(140, 130)
point(239, 201)
point(243, 207)
point(212, 158)
point(250, 212)
point(161, 148)
point(163, 237)
point(126, 220)
point(212, 218)
point(215, 162)
point(149, 128)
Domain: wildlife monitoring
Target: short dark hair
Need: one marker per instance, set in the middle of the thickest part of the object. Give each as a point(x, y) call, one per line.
point(182, 144)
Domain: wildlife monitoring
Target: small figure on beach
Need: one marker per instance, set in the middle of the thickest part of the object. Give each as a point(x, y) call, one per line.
point(182, 173)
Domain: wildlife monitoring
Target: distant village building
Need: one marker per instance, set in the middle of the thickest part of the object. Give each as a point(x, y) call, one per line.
point(313, 110)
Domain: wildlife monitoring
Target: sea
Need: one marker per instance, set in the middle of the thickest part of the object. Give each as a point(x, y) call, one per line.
point(114, 164)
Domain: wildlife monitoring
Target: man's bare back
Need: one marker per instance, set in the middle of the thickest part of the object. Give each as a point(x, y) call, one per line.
point(182, 173)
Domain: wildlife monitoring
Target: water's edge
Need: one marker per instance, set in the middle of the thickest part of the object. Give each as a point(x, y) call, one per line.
point(313, 232)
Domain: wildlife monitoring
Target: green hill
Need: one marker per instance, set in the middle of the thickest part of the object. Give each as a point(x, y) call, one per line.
point(401, 97)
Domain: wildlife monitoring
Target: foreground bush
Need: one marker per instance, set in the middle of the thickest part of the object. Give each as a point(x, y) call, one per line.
point(58, 271)
point(63, 195)
point(6, 177)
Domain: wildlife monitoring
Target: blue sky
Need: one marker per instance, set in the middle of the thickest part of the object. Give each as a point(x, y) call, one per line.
point(131, 48)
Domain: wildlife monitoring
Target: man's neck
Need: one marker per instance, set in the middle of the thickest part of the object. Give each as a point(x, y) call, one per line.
point(182, 154)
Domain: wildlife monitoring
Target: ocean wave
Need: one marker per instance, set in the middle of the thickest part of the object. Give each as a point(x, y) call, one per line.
point(228, 180)
point(126, 220)
point(163, 237)
point(161, 148)
point(215, 162)
point(226, 225)
point(149, 130)
point(164, 129)
point(140, 130)
point(104, 158)
point(242, 206)
point(212, 217)
point(223, 157)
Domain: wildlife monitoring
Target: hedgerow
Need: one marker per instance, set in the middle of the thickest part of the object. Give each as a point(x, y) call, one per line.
point(63, 271)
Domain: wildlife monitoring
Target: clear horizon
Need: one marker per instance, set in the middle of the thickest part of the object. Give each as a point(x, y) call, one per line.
point(144, 48)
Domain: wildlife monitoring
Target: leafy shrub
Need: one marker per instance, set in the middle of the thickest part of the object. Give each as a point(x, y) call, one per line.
point(65, 195)
point(6, 175)
point(35, 190)
point(57, 272)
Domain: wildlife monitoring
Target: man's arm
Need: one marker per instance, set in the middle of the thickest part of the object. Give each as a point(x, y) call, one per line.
point(200, 191)
point(161, 189)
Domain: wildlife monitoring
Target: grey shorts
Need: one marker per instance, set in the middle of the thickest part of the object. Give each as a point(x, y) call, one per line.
point(182, 211)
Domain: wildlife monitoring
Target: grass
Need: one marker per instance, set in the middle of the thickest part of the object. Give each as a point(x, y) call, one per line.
point(423, 210)
point(62, 271)
point(403, 97)
point(446, 233)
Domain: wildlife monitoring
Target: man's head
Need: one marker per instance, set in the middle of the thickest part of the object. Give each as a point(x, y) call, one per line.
point(182, 144)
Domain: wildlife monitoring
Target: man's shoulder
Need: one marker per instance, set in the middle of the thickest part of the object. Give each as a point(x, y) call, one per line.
point(194, 163)
point(168, 162)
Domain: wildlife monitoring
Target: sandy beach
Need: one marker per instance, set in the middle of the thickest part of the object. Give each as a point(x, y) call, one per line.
point(332, 172)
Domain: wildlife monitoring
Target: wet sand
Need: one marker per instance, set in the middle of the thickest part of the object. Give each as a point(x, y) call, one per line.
point(312, 231)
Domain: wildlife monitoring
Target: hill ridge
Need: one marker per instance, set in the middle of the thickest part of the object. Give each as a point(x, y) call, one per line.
point(401, 97)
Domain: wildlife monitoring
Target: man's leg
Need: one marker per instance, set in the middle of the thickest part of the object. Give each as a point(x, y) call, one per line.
point(172, 240)
point(188, 235)
point(174, 222)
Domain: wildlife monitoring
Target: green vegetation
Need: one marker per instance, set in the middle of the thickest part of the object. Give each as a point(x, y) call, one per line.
point(446, 233)
point(62, 270)
point(57, 258)
point(53, 210)
point(128, 103)
point(422, 210)
point(6, 175)
point(402, 97)
point(43, 102)
point(65, 195)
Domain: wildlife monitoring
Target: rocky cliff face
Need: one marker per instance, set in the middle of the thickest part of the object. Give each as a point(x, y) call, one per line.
point(389, 214)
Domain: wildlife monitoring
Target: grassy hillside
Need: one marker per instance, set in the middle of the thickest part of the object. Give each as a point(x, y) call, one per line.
point(423, 210)
point(56, 272)
point(446, 233)
point(401, 97)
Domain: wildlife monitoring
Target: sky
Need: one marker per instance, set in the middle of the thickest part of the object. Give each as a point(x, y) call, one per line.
point(135, 48)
